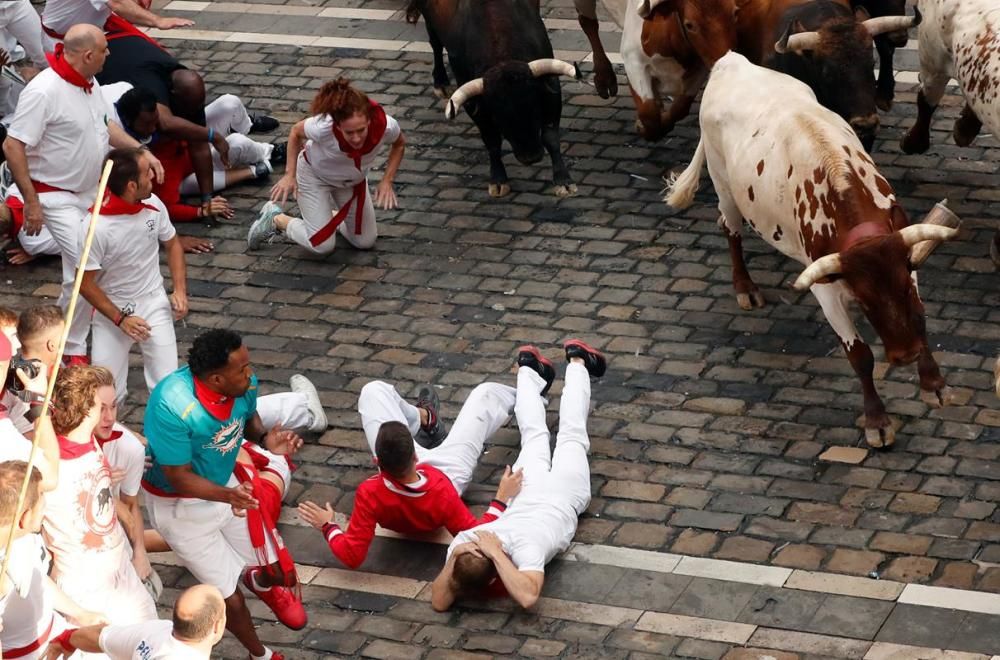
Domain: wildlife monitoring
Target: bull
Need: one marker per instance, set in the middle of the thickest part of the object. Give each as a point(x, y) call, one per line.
point(501, 57)
point(797, 174)
point(818, 41)
point(886, 45)
point(961, 40)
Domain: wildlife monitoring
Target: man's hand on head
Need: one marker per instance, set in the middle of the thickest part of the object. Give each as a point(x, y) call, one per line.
point(489, 544)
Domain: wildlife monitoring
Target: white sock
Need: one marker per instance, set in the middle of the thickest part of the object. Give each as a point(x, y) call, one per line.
point(267, 655)
point(258, 587)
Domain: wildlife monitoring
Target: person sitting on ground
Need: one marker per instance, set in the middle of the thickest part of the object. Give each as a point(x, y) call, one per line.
point(418, 490)
point(122, 277)
point(199, 622)
point(226, 116)
point(31, 605)
point(540, 524)
point(81, 527)
point(329, 157)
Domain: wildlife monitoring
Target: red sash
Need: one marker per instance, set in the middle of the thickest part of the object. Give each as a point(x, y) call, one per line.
point(261, 527)
point(115, 27)
point(376, 131)
point(22, 651)
point(16, 205)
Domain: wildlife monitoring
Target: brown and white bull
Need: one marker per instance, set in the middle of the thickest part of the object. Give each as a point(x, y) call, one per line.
point(959, 39)
point(797, 174)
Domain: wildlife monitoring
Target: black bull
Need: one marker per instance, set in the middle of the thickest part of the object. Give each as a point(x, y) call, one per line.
point(501, 57)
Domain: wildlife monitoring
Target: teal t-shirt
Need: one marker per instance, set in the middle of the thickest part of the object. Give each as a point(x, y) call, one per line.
point(181, 431)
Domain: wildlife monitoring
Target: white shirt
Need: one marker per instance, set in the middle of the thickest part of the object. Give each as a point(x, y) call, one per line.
point(81, 526)
point(27, 610)
point(13, 445)
point(17, 410)
point(64, 130)
point(126, 452)
point(149, 640)
point(330, 163)
point(112, 92)
point(61, 15)
point(126, 249)
point(532, 532)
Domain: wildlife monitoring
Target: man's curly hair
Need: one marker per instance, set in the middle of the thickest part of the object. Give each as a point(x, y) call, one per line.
point(210, 351)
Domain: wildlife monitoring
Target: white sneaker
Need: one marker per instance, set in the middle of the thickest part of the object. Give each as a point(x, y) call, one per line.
point(303, 385)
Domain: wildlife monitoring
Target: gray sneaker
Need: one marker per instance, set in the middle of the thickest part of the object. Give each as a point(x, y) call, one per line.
point(435, 431)
point(263, 227)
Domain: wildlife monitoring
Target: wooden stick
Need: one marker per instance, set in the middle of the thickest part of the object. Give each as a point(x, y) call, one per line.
point(78, 281)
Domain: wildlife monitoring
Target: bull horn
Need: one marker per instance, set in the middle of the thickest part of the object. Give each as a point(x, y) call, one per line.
point(939, 215)
point(817, 270)
point(925, 232)
point(644, 8)
point(883, 24)
point(550, 66)
point(462, 94)
point(796, 42)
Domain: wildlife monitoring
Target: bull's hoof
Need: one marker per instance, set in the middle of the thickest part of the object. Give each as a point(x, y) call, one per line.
point(442, 92)
point(965, 131)
point(882, 438)
point(499, 189)
point(883, 101)
point(750, 299)
point(995, 250)
point(565, 190)
point(914, 143)
point(938, 398)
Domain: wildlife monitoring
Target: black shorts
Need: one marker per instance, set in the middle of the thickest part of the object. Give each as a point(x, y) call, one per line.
point(145, 65)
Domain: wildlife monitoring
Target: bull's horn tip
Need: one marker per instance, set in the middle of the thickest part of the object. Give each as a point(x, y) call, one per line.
point(917, 16)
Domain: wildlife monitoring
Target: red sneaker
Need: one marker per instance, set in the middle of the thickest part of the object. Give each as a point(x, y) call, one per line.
point(274, 656)
point(282, 601)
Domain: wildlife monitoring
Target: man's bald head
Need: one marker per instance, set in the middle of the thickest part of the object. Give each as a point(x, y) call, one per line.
point(86, 48)
point(197, 613)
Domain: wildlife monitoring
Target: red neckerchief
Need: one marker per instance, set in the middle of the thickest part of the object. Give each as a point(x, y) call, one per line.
point(68, 450)
point(377, 122)
point(57, 61)
point(217, 405)
point(115, 205)
point(261, 527)
point(114, 435)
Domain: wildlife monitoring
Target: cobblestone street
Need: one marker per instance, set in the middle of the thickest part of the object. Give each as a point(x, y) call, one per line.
point(707, 429)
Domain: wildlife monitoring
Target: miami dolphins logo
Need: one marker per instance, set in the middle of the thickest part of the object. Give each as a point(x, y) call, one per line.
point(228, 438)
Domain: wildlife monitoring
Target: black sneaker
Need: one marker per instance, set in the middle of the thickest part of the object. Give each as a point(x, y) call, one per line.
point(528, 356)
point(434, 431)
point(592, 358)
point(279, 154)
point(262, 123)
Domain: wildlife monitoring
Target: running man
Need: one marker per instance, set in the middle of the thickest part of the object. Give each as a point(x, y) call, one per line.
point(541, 523)
point(418, 490)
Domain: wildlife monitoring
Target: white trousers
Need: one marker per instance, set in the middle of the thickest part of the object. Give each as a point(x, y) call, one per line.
point(318, 203)
point(487, 409)
point(120, 596)
point(63, 213)
point(209, 540)
point(560, 478)
point(21, 21)
point(228, 116)
point(41, 243)
point(110, 346)
point(288, 409)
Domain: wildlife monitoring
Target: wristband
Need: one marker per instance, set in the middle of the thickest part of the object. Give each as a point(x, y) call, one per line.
point(211, 134)
point(63, 639)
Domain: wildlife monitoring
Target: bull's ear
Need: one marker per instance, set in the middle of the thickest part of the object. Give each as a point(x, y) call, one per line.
point(861, 14)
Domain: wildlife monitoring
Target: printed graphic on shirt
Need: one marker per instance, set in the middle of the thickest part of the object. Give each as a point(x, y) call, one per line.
point(228, 438)
point(96, 506)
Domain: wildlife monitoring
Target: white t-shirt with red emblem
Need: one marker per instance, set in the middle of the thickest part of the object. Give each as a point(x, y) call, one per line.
point(80, 525)
point(125, 451)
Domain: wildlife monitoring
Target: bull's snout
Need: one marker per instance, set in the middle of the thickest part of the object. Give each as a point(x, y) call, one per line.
point(866, 128)
point(529, 157)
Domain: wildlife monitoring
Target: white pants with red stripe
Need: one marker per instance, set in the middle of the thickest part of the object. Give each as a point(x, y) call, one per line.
point(287, 409)
point(318, 203)
point(110, 346)
point(560, 477)
point(63, 213)
point(487, 409)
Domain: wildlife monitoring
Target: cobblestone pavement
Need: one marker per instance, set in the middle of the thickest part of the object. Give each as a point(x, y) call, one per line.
point(707, 428)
